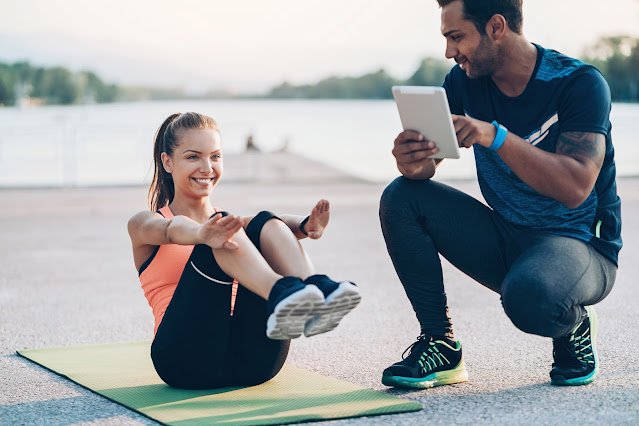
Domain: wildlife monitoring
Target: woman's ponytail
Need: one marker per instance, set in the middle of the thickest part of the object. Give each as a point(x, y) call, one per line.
point(162, 191)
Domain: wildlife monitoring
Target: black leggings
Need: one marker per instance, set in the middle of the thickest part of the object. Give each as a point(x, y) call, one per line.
point(544, 280)
point(199, 345)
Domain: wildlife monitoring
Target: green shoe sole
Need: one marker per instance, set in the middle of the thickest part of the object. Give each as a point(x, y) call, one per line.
point(450, 377)
point(578, 381)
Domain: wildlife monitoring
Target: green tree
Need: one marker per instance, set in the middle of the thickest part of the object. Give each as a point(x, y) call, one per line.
point(23, 72)
point(92, 88)
point(431, 72)
point(7, 85)
point(375, 85)
point(617, 58)
point(62, 89)
point(55, 85)
point(286, 90)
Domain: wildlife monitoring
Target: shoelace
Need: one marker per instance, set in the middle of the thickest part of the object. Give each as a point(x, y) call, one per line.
point(583, 344)
point(433, 360)
point(421, 339)
point(578, 347)
point(430, 358)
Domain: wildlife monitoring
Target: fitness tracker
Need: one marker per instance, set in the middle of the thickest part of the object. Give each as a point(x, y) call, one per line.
point(500, 137)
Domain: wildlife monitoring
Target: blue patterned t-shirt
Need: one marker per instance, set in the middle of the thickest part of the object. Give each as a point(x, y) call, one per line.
point(563, 95)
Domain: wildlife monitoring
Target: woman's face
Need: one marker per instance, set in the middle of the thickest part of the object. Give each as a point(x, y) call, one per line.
point(196, 163)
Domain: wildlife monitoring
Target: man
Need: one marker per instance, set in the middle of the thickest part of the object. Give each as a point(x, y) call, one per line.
point(538, 122)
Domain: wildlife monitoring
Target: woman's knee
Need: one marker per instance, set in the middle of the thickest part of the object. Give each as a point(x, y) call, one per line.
point(260, 221)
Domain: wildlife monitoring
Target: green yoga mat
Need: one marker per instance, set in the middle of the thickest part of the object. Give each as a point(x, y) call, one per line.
point(124, 373)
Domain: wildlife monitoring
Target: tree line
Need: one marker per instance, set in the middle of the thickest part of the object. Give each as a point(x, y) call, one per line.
point(53, 85)
point(60, 86)
point(376, 85)
point(616, 57)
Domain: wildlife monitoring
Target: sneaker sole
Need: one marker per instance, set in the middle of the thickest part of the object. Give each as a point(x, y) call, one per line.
point(580, 381)
point(290, 315)
point(339, 303)
point(450, 377)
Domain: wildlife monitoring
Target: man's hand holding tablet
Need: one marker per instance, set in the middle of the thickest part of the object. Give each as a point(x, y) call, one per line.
point(429, 134)
point(413, 154)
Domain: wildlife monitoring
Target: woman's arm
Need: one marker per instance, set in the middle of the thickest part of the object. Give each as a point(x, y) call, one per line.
point(148, 228)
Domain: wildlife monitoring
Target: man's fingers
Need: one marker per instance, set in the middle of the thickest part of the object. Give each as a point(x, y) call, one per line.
point(460, 123)
point(409, 147)
point(408, 135)
point(415, 155)
point(464, 136)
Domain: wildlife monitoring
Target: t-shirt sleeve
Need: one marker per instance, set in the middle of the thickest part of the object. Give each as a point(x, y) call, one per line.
point(584, 105)
point(452, 85)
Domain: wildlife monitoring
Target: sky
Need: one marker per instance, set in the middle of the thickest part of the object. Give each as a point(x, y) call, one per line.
point(251, 45)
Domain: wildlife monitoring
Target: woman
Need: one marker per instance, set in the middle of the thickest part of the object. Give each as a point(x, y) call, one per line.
point(227, 292)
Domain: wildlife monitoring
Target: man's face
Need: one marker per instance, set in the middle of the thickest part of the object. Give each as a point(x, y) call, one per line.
point(476, 54)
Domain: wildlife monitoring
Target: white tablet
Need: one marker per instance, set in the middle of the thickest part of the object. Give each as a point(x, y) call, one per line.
point(425, 110)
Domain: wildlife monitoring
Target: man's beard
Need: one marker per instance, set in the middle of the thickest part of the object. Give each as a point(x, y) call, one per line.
point(485, 61)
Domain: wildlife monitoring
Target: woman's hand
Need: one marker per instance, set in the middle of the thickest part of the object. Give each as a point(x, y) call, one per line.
point(218, 231)
point(318, 220)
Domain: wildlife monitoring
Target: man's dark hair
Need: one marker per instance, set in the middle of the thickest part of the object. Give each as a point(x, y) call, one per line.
point(479, 12)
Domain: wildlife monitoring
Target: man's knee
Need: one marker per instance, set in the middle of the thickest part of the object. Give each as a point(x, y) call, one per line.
point(532, 306)
point(399, 193)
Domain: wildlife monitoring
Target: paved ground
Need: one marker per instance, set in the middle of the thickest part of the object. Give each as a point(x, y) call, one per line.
point(68, 278)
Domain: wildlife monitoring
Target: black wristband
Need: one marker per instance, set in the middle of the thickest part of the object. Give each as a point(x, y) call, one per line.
point(302, 223)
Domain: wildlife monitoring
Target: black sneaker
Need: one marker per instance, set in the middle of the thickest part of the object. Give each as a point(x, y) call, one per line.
point(341, 298)
point(429, 364)
point(575, 354)
point(290, 305)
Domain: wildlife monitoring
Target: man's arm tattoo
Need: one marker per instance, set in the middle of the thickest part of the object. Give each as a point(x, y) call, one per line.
point(583, 144)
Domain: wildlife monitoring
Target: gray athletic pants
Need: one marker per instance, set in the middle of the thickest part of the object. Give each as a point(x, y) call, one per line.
point(544, 280)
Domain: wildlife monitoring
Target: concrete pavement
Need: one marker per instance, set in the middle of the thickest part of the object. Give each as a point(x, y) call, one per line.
point(67, 278)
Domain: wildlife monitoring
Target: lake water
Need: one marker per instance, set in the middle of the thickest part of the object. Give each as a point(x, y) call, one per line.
point(111, 144)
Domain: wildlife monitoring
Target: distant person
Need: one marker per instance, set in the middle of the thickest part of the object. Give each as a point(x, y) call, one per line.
point(548, 240)
point(250, 145)
point(285, 145)
point(227, 292)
